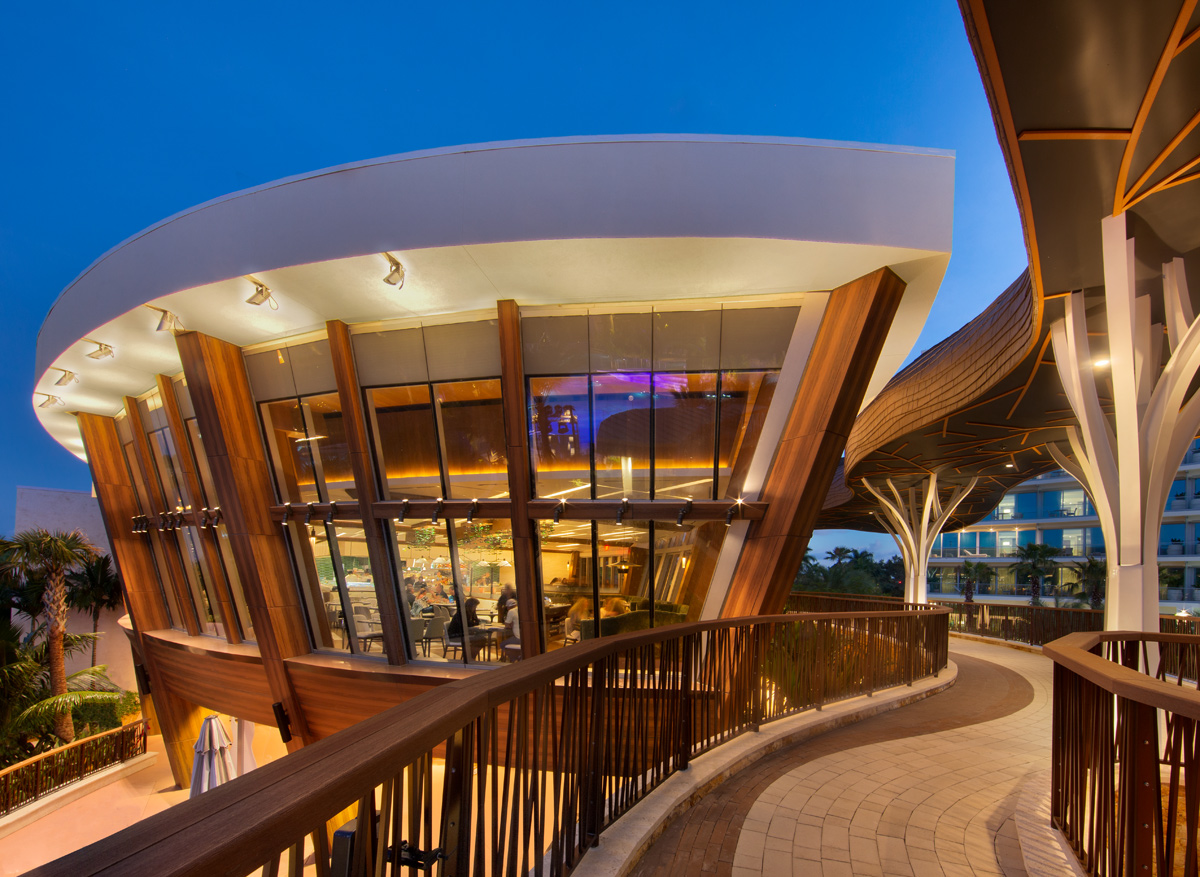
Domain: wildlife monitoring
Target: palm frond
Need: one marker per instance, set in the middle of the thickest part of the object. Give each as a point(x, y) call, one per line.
point(43, 712)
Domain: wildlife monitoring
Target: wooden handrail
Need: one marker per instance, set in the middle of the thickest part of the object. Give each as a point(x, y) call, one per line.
point(234, 828)
point(1074, 652)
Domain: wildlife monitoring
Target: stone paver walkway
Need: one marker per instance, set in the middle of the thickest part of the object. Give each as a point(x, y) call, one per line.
point(929, 789)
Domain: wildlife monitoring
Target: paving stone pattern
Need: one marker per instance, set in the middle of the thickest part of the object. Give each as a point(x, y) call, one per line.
point(929, 789)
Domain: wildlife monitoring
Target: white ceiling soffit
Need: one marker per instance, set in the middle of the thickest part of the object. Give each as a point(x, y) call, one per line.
point(542, 222)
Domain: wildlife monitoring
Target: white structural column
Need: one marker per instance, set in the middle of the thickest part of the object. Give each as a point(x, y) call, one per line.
point(1128, 460)
point(914, 517)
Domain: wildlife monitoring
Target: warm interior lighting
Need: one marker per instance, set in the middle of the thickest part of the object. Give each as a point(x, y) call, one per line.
point(1009, 466)
point(1100, 363)
point(396, 275)
point(68, 377)
point(279, 356)
point(262, 296)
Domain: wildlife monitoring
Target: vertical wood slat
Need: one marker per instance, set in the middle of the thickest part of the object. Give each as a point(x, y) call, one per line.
point(840, 365)
point(187, 466)
point(168, 545)
point(225, 413)
point(179, 720)
point(520, 485)
point(364, 467)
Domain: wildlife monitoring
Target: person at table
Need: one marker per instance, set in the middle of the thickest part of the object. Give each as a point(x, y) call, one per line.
point(476, 639)
point(420, 602)
point(508, 592)
point(440, 595)
point(613, 607)
point(581, 609)
point(512, 623)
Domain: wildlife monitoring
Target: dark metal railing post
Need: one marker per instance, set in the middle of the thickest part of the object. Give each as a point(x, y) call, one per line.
point(593, 789)
point(684, 752)
point(456, 809)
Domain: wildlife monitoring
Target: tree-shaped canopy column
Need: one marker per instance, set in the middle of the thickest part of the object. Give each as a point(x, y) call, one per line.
point(914, 517)
point(1127, 460)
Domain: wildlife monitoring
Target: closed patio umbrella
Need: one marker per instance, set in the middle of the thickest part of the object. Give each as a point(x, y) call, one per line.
point(213, 763)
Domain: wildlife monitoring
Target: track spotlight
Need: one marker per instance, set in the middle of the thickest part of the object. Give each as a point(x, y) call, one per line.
point(437, 513)
point(102, 351)
point(687, 507)
point(623, 509)
point(396, 275)
point(50, 401)
point(68, 377)
point(262, 296)
point(558, 510)
point(403, 512)
point(167, 322)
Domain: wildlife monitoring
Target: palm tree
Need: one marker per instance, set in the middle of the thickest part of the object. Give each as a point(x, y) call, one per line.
point(1037, 562)
point(839, 555)
point(94, 588)
point(975, 572)
point(39, 553)
point(1093, 574)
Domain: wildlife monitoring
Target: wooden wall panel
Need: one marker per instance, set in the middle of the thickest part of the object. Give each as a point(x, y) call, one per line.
point(225, 413)
point(520, 486)
point(364, 467)
point(178, 719)
point(234, 684)
point(844, 355)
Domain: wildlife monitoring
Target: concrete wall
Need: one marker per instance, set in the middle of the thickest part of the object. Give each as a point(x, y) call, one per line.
point(75, 510)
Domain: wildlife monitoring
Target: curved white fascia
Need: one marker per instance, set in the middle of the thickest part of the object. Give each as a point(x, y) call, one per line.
point(873, 199)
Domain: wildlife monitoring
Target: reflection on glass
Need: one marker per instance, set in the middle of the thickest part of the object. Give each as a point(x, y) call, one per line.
point(685, 419)
point(140, 488)
point(622, 435)
point(329, 615)
point(327, 446)
point(565, 552)
point(220, 536)
point(199, 578)
point(745, 398)
point(352, 569)
point(685, 556)
point(472, 421)
point(406, 441)
point(560, 435)
point(168, 474)
point(288, 440)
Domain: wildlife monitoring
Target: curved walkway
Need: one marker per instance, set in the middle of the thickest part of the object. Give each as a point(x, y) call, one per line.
point(929, 789)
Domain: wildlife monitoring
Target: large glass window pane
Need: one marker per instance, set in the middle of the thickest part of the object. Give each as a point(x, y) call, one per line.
point(200, 581)
point(621, 405)
point(142, 490)
point(288, 441)
point(745, 398)
point(1072, 542)
point(560, 435)
point(1007, 543)
point(987, 543)
point(1026, 537)
point(1026, 505)
point(565, 552)
point(330, 616)
point(328, 448)
point(685, 433)
point(472, 422)
point(685, 556)
point(485, 574)
point(427, 588)
point(406, 441)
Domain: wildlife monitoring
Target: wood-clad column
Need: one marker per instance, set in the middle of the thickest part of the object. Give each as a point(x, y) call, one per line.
point(175, 576)
point(520, 485)
point(220, 391)
point(193, 490)
point(178, 719)
point(362, 463)
point(840, 365)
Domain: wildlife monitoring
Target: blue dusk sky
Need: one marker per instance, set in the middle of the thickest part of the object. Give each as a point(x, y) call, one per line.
point(117, 115)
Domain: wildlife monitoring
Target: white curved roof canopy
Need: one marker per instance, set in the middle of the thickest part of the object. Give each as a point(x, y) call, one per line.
point(564, 221)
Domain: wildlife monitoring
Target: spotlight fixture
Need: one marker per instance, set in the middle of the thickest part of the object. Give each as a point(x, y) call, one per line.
point(102, 350)
point(332, 512)
point(403, 511)
point(68, 377)
point(473, 510)
point(167, 322)
point(558, 510)
point(437, 513)
point(262, 296)
point(396, 275)
point(687, 507)
point(50, 401)
point(623, 509)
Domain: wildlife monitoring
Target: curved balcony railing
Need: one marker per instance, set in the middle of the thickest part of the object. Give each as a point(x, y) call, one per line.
point(1125, 764)
point(518, 770)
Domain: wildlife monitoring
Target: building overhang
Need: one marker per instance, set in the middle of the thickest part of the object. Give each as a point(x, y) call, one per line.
point(687, 220)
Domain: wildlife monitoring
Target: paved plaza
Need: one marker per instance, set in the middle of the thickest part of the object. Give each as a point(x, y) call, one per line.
point(929, 789)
